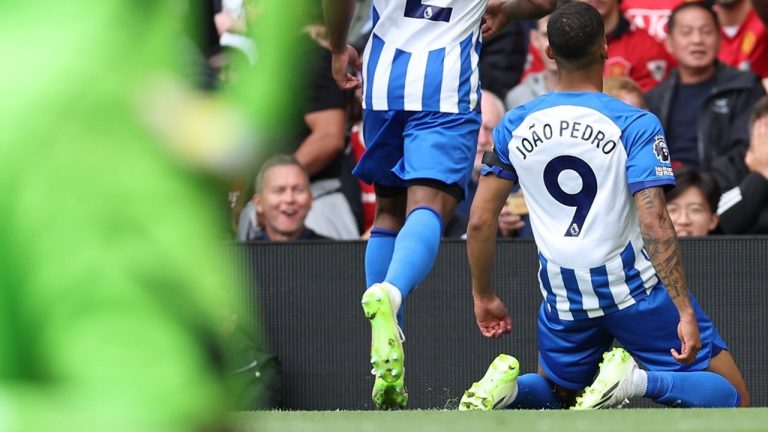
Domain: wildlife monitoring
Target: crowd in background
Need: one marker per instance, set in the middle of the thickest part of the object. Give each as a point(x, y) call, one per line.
point(702, 68)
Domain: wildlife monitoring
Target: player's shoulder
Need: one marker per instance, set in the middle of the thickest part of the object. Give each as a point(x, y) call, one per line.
point(516, 115)
point(624, 114)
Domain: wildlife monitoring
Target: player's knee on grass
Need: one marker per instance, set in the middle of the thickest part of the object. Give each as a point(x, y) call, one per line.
point(566, 396)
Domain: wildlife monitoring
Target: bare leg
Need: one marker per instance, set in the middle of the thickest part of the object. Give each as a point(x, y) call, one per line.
point(442, 202)
point(724, 365)
point(390, 212)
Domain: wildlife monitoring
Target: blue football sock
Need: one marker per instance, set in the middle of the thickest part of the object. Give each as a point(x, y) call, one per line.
point(691, 390)
point(416, 248)
point(535, 392)
point(378, 254)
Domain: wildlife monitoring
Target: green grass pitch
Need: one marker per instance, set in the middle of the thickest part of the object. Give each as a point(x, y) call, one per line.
point(618, 420)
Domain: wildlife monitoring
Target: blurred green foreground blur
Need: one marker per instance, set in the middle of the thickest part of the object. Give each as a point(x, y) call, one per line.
point(117, 307)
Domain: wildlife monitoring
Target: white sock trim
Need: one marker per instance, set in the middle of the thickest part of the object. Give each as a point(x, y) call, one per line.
point(395, 296)
point(639, 383)
point(508, 398)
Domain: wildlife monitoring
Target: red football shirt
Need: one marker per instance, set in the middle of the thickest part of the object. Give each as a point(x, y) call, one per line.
point(635, 54)
point(650, 16)
point(631, 53)
point(533, 62)
point(367, 192)
point(748, 49)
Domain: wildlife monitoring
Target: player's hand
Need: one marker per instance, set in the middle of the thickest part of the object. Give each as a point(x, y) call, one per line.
point(340, 66)
point(494, 19)
point(688, 332)
point(492, 317)
point(509, 222)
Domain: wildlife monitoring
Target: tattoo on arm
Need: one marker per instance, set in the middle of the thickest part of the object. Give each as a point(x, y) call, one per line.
point(661, 241)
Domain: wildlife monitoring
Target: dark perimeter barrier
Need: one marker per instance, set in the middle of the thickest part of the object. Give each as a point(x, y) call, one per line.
point(307, 296)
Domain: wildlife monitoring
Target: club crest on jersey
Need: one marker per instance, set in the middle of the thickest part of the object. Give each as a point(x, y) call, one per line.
point(657, 68)
point(617, 67)
point(660, 149)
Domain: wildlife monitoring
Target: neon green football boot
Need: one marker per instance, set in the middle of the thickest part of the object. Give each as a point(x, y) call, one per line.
point(387, 355)
point(613, 386)
point(497, 388)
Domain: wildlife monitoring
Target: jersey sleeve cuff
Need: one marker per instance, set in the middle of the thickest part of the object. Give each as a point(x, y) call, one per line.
point(666, 183)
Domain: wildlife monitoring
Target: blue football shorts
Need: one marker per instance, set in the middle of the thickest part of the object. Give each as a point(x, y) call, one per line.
point(407, 145)
point(570, 351)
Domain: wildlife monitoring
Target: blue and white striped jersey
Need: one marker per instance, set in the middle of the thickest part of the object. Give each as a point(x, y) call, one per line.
point(579, 158)
point(422, 56)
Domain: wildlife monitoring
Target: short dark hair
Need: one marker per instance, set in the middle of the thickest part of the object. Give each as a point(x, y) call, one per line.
point(691, 5)
point(575, 31)
point(687, 178)
point(759, 111)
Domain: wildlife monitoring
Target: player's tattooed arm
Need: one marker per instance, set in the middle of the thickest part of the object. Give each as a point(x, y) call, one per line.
point(664, 252)
point(661, 243)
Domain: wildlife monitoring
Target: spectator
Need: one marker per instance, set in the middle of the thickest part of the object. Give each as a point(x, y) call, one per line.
point(357, 147)
point(649, 15)
point(280, 204)
point(512, 220)
point(692, 203)
point(717, 99)
point(492, 110)
point(535, 84)
point(744, 209)
point(744, 42)
point(631, 53)
point(282, 201)
point(502, 59)
point(248, 222)
point(625, 90)
point(321, 138)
